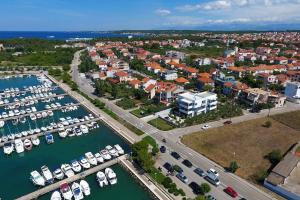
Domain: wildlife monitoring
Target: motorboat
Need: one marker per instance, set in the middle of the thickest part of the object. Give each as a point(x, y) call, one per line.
point(101, 178)
point(75, 166)
point(63, 134)
point(32, 117)
point(49, 138)
point(37, 179)
point(67, 170)
point(119, 149)
point(91, 158)
point(4, 138)
point(27, 144)
point(99, 158)
point(24, 133)
point(58, 174)
point(84, 129)
point(22, 120)
point(47, 174)
point(85, 187)
point(77, 192)
point(2, 123)
point(113, 152)
point(15, 121)
point(11, 136)
point(111, 176)
point(84, 163)
point(66, 191)
point(105, 154)
point(55, 196)
point(50, 113)
point(35, 141)
point(78, 131)
point(19, 146)
point(8, 148)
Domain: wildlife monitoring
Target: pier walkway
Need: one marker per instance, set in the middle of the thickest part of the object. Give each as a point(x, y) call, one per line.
point(54, 186)
point(32, 91)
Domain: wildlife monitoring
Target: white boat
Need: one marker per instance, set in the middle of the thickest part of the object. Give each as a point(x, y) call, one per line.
point(27, 144)
point(37, 179)
point(35, 141)
point(84, 129)
point(113, 152)
point(105, 154)
point(101, 178)
point(58, 174)
point(85, 187)
point(66, 191)
point(32, 117)
point(91, 158)
point(119, 149)
point(84, 163)
point(67, 170)
point(19, 146)
point(2, 123)
point(47, 174)
point(111, 176)
point(75, 166)
point(77, 192)
point(99, 158)
point(8, 148)
point(63, 134)
point(55, 196)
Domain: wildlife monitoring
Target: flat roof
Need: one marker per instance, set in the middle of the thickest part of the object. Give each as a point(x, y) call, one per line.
point(193, 96)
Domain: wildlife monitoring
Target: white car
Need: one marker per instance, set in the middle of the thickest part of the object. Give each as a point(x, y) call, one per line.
point(213, 171)
point(206, 126)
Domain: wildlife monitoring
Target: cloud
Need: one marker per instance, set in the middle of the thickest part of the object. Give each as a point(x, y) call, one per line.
point(163, 12)
point(214, 5)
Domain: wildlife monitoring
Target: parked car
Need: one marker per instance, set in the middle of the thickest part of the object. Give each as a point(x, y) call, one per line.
point(187, 163)
point(177, 169)
point(213, 171)
point(209, 197)
point(206, 126)
point(227, 122)
point(196, 188)
point(182, 177)
point(229, 190)
point(163, 149)
point(175, 155)
point(199, 171)
point(168, 167)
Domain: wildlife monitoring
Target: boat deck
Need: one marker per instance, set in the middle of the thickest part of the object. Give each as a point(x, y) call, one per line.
point(54, 186)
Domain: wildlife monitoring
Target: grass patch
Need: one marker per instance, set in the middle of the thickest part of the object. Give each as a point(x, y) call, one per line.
point(248, 143)
point(291, 119)
point(126, 103)
point(138, 113)
point(161, 124)
point(150, 141)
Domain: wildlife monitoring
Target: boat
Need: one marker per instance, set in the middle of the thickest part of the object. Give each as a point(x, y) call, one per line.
point(15, 121)
point(55, 196)
point(78, 131)
point(19, 146)
point(99, 158)
point(66, 191)
point(2, 123)
point(49, 138)
point(63, 134)
point(47, 174)
point(111, 176)
point(32, 117)
point(35, 141)
point(22, 120)
point(58, 174)
point(37, 179)
point(113, 152)
point(77, 192)
point(27, 144)
point(119, 149)
point(101, 178)
point(50, 113)
point(67, 170)
point(91, 158)
point(84, 163)
point(8, 148)
point(75, 166)
point(105, 154)
point(85, 187)
point(84, 129)
point(11, 136)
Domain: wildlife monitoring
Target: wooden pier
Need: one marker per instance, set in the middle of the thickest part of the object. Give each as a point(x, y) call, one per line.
point(54, 186)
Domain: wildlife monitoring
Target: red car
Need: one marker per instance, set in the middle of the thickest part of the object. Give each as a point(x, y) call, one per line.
point(231, 192)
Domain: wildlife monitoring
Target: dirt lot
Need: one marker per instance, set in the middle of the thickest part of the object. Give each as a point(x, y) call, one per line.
point(247, 143)
point(291, 119)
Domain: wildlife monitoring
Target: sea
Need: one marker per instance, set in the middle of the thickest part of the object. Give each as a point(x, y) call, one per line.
point(64, 35)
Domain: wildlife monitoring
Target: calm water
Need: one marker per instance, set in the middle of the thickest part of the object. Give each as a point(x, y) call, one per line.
point(15, 168)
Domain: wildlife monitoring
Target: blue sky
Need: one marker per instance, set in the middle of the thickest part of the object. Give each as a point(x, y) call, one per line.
point(73, 15)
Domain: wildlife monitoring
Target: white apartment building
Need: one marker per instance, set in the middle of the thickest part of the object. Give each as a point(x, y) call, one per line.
point(169, 75)
point(192, 104)
point(292, 91)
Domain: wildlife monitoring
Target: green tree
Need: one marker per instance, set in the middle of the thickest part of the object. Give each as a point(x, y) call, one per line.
point(275, 156)
point(233, 166)
point(205, 188)
point(200, 197)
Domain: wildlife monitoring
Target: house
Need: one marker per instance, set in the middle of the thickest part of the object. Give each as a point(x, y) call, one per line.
point(169, 75)
point(122, 76)
point(252, 96)
point(203, 61)
point(234, 88)
point(136, 84)
point(148, 85)
point(203, 81)
point(154, 67)
point(292, 91)
point(101, 64)
point(177, 66)
point(294, 75)
point(190, 72)
point(266, 78)
point(176, 54)
point(229, 53)
point(165, 92)
point(1, 47)
point(192, 104)
point(181, 81)
point(237, 71)
point(281, 60)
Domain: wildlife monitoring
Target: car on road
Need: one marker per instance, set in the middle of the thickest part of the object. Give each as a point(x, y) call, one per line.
point(206, 126)
point(177, 169)
point(168, 167)
point(175, 155)
point(213, 171)
point(187, 163)
point(229, 190)
point(182, 177)
point(196, 188)
point(227, 122)
point(199, 171)
point(163, 149)
point(209, 197)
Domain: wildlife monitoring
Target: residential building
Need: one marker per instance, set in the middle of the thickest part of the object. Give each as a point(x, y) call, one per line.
point(203, 61)
point(292, 91)
point(1, 47)
point(176, 54)
point(169, 75)
point(192, 104)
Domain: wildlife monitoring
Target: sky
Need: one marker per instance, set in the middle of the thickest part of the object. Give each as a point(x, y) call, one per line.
point(101, 15)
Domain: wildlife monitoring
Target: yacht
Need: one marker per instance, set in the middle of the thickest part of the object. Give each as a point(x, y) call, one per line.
point(37, 179)
point(75, 166)
point(84, 129)
point(84, 163)
point(85, 187)
point(111, 176)
point(47, 174)
point(66, 191)
point(11, 136)
point(58, 174)
point(32, 117)
point(55, 196)
point(49, 138)
point(19, 146)
point(91, 158)
point(113, 152)
point(119, 149)
point(105, 154)
point(63, 134)
point(50, 113)
point(27, 144)
point(67, 170)
point(99, 158)
point(35, 141)
point(101, 178)
point(8, 148)
point(77, 192)
point(2, 123)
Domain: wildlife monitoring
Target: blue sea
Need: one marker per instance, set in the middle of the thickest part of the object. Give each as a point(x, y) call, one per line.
point(56, 35)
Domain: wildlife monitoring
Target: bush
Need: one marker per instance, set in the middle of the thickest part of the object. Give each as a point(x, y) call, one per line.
point(205, 188)
point(233, 166)
point(167, 182)
point(275, 156)
point(267, 124)
point(261, 176)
